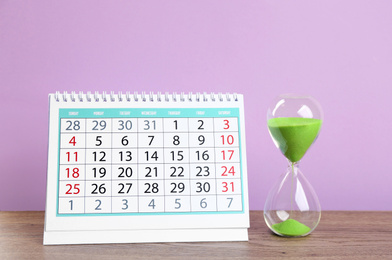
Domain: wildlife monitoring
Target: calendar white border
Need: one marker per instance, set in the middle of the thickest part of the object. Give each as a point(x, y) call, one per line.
point(140, 222)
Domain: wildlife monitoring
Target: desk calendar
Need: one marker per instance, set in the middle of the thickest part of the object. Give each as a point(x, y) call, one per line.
point(127, 168)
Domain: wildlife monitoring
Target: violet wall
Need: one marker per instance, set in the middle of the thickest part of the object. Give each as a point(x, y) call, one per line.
point(340, 52)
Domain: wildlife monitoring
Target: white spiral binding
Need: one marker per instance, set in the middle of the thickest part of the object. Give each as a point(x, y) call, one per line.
point(205, 99)
point(73, 96)
point(96, 96)
point(80, 96)
point(143, 97)
point(212, 96)
point(88, 96)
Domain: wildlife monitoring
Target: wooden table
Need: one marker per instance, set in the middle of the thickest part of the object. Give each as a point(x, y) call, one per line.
point(340, 235)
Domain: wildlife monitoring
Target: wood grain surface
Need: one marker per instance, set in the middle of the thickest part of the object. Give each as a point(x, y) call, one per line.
point(340, 235)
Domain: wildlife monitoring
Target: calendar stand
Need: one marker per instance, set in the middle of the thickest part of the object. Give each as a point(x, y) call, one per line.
point(146, 168)
point(145, 236)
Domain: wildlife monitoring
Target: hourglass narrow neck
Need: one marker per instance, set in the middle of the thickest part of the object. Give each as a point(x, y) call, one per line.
point(293, 164)
point(293, 168)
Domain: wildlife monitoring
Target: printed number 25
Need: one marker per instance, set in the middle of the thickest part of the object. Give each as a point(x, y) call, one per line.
point(75, 187)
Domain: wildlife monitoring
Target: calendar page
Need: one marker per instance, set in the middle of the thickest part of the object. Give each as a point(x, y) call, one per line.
point(146, 168)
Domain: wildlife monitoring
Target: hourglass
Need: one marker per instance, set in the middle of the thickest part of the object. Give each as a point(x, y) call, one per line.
point(292, 208)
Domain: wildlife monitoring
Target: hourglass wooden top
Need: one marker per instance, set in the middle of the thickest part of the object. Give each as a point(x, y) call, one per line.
point(294, 135)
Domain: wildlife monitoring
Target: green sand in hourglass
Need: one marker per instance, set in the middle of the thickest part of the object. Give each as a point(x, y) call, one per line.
point(293, 136)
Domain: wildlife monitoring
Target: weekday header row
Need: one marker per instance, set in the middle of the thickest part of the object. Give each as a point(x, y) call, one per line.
point(151, 112)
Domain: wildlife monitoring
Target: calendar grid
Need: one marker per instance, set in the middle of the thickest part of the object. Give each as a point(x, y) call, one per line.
point(137, 158)
point(85, 170)
point(108, 193)
point(216, 183)
point(189, 164)
point(111, 165)
point(163, 168)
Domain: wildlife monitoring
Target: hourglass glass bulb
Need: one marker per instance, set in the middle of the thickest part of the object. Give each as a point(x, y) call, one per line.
point(294, 123)
point(292, 207)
